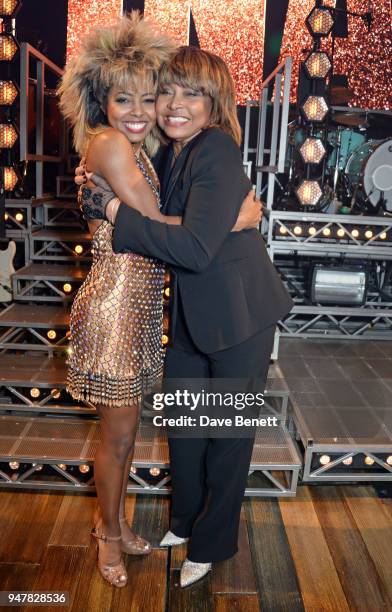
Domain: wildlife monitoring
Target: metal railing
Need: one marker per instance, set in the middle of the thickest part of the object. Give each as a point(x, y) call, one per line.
point(43, 64)
point(281, 78)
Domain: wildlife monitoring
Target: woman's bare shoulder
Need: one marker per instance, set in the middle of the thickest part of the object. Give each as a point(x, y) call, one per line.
point(108, 147)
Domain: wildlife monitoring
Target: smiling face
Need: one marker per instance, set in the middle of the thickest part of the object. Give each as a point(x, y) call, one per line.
point(131, 110)
point(182, 112)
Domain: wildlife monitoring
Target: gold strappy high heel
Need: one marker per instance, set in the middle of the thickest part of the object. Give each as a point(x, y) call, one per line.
point(114, 574)
point(137, 545)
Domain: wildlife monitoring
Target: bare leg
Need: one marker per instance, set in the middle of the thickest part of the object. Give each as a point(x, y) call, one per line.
point(125, 529)
point(118, 426)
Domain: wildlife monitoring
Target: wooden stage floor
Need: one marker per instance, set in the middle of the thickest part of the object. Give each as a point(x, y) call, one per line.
point(329, 548)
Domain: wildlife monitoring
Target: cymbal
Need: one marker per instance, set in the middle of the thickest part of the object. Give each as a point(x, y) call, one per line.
point(350, 119)
point(341, 94)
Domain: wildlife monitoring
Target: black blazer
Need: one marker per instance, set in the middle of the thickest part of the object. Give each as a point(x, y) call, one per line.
point(229, 287)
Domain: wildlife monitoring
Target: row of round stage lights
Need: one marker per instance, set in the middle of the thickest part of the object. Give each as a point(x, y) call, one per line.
point(315, 108)
point(326, 459)
point(328, 232)
point(8, 92)
point(83, 468)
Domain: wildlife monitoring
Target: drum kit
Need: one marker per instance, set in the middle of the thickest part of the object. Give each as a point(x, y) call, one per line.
point(357, 168)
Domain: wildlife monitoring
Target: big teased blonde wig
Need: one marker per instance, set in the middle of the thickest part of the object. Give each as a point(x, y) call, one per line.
point(110, 57)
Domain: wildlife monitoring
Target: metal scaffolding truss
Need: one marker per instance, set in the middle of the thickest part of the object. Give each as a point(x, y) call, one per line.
point(55, 245)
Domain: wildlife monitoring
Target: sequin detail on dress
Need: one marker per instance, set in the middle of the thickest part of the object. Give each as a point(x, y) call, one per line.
point(116, 325)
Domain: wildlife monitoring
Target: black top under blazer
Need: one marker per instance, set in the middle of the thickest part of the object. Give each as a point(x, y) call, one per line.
point(229, 287)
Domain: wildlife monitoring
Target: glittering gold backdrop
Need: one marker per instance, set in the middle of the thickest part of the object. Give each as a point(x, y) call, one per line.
point(85, 14)
point(234, 29)
point(365, 58)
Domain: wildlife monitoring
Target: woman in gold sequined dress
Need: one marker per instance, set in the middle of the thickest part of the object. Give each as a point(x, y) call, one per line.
point(108, 94)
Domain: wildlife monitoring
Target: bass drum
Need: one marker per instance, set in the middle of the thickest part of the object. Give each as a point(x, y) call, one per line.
point(369, 171)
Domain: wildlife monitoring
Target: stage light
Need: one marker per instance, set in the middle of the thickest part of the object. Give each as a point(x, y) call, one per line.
point(78, 249)
point(84, 468)
point(34, 392)
point(315, 108)
point(320, 22)
point(10, 178)
point(327, 231)
point(62, 466)
point(282, 230)
point(133, 470)
point(5, 216)
point(341, 233)
point(167, 292)
point(312, 230)
point(369, 460)
point(165, 339)
point(51, 334)
point(8, 135)
point(369, 234)
point(383, 236)
point(8, 7)
point(389, 460)
point(67, 287)
point(355, 233)
point(347, 461)
point(8, 93)
point(325, 459)
point(312, 151)
point(8, 47)
point(338, 286)
point(14, 465)
point(19, 217)
point(154, 471)
point(55, 393)
point(298, 230)
point(309, 193)
point(317, 65)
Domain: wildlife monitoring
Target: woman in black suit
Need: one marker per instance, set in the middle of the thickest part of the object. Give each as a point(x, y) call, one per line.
point(226, 293)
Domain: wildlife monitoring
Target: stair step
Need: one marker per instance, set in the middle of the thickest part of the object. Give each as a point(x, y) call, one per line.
point(45, 282)
point(37, 316)
point(57, 245)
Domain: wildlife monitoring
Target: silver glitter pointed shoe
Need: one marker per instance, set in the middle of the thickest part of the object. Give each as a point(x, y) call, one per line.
point(192, 571)
point(170, 539)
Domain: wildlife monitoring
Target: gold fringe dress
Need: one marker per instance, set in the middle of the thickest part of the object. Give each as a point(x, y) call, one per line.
point(116, 350)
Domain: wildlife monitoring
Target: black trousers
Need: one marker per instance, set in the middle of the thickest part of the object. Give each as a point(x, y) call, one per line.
point(209, 475)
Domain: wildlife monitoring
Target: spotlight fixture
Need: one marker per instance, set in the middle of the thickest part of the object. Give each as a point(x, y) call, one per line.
point(67, 287)
point(315, 108)
point(51, 334)
point(383, 236)
point(78, 249)
point(369, 460)
point(5, 216)
point(8, 93)
point(282, 230)
point(389, 460)
point(8, 135)
point(165, 339)
point(325, 459)
point(35, 392)
point(355, 233)
point(312, 151)
point(347, 461)
point(327, 232)
point(62, 466)
point(320, 21)
point(19, 217)
point(369, 234)
point(8, 47)
point(167, 292)
point(312, 230)
point(341, 233)
point(309, 193)
point(133, 470)
point(14, 465)
point(297, 230)
point(317, 65)
point(8, 7)
point(154, 471)
point(55, 393)
point(10, 178)
point(84, 468)
point(339, 285)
